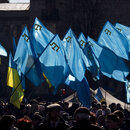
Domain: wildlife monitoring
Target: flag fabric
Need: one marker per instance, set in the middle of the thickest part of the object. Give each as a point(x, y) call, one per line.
point(25, 60)
point(40, 36)
point(82, 88)
point(53, 62)
point(124, 30)
point(20, 74)
point(13, 80)
point(12, 73)
point(127, 85)
point(114, 40)
point(99, 95)
point(75, 57)
point(111, 65)
point(82, 41)
point(94, 65)
point(71, 81)
point(2, 51)
point(17, 97)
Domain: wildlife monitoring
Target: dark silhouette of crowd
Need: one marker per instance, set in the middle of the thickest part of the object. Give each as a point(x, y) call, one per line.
point(43, 115)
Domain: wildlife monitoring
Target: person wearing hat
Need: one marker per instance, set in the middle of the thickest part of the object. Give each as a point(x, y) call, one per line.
point(53, 120)
point(82, 116)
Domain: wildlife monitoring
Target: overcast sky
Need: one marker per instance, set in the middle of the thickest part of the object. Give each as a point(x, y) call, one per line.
point(19, 1)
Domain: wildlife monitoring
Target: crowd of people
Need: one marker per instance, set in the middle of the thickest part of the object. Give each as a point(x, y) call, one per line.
point(43, 115)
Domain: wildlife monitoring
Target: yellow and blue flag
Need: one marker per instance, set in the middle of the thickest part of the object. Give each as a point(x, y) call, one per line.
point(40, 36)
point(111, 65)
point(114, 40)
point(13, 80)
point(99, 95)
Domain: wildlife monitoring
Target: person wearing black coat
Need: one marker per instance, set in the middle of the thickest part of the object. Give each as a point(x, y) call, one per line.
point(82, 116)
point(53, 121)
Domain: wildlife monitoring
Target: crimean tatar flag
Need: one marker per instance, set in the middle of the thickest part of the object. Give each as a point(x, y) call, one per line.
point(114, 40)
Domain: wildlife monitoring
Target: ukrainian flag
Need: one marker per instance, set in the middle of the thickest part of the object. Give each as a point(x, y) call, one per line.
point(13, 81)
point(99, 96)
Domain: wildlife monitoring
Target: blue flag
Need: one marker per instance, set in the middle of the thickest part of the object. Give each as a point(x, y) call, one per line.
point(111, 65)
point(124, 30)
point(26, 64)
point(21, 76)
point(2, 51)
point(127, 85)
point(99, 95)
point(82, 41)
point(75, 57)
point(114, 40)
point(53, 62)
point(93, 62)
point(82, 88)
point(40, 36)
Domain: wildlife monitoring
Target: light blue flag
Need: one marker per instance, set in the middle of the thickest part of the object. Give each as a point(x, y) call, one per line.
point(114, 40)
point(99, 95)
point(111, 65)
point(82, 88)
point(21, 76)
point(127, 85)
point(82, 41)
point(40, 36)
point(75, 57)
point(11, 62)
point(53, 62)
point(124, 30)
point(2, 51)
point(26, 64)
point(93, 62)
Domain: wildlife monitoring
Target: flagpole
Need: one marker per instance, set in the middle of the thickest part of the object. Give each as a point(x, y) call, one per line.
point(49, 92)
point(105, 96)
point(124, 105)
